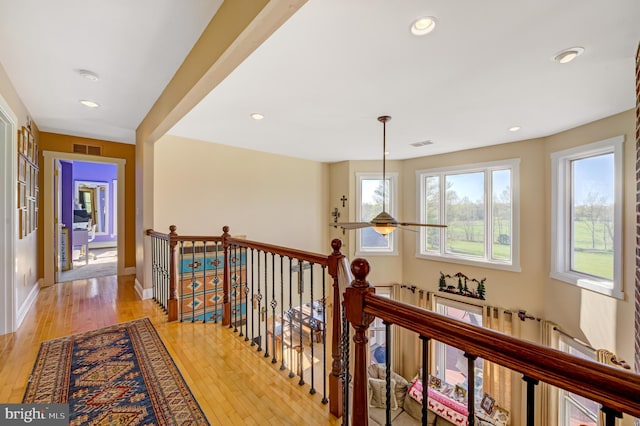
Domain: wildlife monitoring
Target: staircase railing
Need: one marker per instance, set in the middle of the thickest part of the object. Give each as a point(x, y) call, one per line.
point(617, 390)
point(276, 298)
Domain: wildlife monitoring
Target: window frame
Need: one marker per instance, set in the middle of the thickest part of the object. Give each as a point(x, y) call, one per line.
point(440, 348)
point(487, 168)
point(561, 227)
point(564, 397)
point(377, 326)
point(391, 208)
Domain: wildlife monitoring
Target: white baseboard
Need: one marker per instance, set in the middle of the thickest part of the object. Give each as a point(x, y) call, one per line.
point(143, 293)
point(24, 309)
point(103, 244)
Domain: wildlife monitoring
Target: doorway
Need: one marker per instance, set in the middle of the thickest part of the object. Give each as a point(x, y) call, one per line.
point(86, 234)
point(85, 208)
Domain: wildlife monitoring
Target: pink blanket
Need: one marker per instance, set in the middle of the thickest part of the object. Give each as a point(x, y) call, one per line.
point(454, 411)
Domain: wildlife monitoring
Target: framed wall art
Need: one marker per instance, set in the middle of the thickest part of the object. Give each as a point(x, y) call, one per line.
point(27, 182)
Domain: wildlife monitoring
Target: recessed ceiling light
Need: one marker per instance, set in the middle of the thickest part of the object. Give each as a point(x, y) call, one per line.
point(257, 116)
point(89, 75)
point(423, 25)
point(568, 55)
point(89, 104)
point(514, 128)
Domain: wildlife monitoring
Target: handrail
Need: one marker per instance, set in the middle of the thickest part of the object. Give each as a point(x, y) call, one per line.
point(321, 259)
point(614, 388)
point(330, 262)
point(607, 385)
point(152, 233)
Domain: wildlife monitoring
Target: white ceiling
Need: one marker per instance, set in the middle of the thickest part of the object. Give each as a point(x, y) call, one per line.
point(323, 78)
point(135, 47)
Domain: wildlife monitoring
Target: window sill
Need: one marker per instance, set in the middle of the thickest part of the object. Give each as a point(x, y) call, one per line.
point(604, 287)
point(471, 262)
point(375, 253)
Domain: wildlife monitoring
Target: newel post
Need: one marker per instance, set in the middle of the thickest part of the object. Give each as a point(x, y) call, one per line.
point(335, 380)
point(354, 306)
point(172, 303)
point(226, 305)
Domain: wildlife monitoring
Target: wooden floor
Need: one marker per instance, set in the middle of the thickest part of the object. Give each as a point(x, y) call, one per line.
point(233, 384)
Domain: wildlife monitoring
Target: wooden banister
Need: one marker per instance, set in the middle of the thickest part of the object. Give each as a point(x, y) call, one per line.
point(612, 387)
point(320, 259)
point(354, 303)
point(226, 280)
point(172, 303)
point(329, 263)
point(335, 380)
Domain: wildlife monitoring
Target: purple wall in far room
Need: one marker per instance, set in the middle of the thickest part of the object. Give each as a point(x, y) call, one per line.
point(103, 173)
point(67, 194)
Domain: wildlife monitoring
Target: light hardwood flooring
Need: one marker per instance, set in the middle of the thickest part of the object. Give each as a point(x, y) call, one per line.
point(233, 384)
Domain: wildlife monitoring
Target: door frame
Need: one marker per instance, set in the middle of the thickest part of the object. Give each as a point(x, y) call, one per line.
point(8, 232)
point(47, 204)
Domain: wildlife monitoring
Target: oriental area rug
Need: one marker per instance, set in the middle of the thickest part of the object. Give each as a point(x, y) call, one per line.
point(120, 374)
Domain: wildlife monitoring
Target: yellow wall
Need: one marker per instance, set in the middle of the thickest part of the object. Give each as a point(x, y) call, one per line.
point(344, 182)
point(599, 320)
point(504, 288)
point(200, 187)
point(64, 143)
point(604, 322)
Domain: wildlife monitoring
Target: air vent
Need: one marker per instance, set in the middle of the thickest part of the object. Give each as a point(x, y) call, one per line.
point(87, 149)
point(94, 150)
point(418, 144)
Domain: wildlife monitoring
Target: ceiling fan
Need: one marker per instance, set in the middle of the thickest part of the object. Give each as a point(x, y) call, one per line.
point(383, 223)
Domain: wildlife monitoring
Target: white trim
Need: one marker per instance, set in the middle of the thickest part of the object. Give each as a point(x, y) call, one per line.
point(47, 212)
point(8, 230)
point(103, 244)
point(26, 306)
point(143, 293)
point(391, 208)
point(514, 166)
point(560, 267)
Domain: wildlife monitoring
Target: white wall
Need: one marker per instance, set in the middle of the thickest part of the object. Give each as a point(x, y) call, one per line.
point(22, 283)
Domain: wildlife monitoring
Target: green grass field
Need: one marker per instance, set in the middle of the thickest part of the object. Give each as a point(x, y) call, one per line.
point(596, 261)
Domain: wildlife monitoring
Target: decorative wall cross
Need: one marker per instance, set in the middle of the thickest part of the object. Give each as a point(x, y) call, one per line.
point(336, 214)
point(343, 199)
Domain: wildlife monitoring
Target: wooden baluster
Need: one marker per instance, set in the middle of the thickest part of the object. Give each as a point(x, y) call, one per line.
point(226, 305)
point(354, 306)
point(173, 299)
point(335, 381)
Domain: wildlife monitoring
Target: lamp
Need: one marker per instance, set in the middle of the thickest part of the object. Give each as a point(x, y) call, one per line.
point(384, 229)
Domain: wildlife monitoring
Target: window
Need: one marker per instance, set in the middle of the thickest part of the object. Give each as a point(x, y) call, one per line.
point(479, 205)
point(574, 409)
point(370, 203)
point(377, 333)
point(451, 364)
point(586, 226)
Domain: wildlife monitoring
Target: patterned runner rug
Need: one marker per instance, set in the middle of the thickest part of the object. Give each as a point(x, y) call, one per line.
point(120, 374)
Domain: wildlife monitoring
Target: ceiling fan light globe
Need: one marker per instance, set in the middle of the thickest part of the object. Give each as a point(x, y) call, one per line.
point(384, 229)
